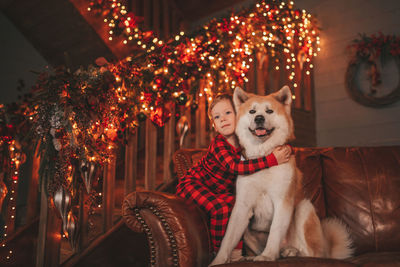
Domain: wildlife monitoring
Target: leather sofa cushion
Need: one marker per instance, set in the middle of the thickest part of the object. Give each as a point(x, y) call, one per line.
point(362, 187)
point(377, 259)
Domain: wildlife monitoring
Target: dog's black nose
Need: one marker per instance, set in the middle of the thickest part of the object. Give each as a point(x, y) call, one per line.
point(259, 119)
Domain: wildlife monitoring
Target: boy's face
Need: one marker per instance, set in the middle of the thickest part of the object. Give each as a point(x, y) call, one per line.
point(224, 118)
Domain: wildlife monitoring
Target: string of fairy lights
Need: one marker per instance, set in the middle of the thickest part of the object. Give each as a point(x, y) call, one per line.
point(85, 115)
point(270, 27)
point(13, 171)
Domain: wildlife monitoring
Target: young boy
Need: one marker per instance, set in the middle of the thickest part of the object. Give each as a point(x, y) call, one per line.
point(210, 183)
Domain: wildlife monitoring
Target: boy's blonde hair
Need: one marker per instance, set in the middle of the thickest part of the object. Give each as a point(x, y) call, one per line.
point(218, 98)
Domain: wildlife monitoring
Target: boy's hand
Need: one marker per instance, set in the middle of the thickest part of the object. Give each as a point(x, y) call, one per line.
point(282, 154)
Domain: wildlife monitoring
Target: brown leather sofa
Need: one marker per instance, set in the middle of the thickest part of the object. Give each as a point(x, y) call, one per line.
point(361, 186)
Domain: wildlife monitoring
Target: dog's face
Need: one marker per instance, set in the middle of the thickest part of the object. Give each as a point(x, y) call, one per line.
point(261, 117)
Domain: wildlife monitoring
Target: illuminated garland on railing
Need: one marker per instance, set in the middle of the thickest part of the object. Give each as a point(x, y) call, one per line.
point(224, 48)
point(82, 116)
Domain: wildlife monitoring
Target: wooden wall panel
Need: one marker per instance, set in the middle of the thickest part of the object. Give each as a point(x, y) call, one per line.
point(340, 120)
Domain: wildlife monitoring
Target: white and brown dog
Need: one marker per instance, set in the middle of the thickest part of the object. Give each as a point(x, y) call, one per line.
point(270, 208)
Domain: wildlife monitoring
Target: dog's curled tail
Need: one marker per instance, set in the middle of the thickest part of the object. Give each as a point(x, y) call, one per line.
point(338, 238)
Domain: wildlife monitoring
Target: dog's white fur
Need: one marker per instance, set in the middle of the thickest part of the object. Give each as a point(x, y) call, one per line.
point(270, 208)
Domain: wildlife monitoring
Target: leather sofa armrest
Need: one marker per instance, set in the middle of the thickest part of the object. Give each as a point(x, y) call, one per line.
point(177, 233)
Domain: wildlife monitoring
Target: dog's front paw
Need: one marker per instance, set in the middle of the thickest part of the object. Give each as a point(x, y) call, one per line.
point(263, 258)
point(219, 260)
point(249, 258)
point(289, 252)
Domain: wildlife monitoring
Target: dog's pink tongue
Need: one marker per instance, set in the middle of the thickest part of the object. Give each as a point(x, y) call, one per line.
point(261, 131)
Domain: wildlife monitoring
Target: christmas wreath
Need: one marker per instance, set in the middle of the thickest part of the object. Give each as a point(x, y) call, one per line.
point(367, 51)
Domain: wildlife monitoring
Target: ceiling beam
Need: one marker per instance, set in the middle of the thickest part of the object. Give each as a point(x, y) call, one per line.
point(57, 31)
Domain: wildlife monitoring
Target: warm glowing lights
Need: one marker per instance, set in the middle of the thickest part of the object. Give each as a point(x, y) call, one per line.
point(15, 159)
point(219, 56)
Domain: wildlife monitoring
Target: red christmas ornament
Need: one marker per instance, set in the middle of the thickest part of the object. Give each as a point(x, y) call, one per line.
point(160, 116)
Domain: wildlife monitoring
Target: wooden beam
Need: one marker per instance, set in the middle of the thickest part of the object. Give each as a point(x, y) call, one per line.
point(55, 27)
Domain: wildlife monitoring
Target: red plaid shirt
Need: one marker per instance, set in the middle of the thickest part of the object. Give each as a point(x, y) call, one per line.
point(219, 168)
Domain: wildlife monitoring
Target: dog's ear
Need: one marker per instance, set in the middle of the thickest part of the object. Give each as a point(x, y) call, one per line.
point(284, 95)
point(239, 97)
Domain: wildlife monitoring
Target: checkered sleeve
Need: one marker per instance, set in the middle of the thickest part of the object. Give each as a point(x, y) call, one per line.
point(228, 158)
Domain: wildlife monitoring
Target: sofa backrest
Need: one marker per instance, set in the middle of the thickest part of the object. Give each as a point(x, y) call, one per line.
point(360, 186)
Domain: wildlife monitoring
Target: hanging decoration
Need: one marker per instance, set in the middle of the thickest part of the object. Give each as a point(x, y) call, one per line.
point(141, 117)
point(62, 202)
point(87, 170)
point(182, 128)
point(373, 52)
point(182, 99)
point(71, 229)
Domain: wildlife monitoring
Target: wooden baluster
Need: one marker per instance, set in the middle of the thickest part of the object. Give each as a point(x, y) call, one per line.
point(298, 92)
point(169, 145)
point(260, 79)
point(307, 86)
point(49, 238)
point(251, 74)
point(32, 201)
point(266, 76)
point(187, 142)
point(283, 77)
point(109, 194)
point(151, 156)
point(156, 17)
point(131, 163)
point(147, 14)
point(83, 219)
point(166, 19)
point(174, 21)
point(276, 74)
point(201, 123)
